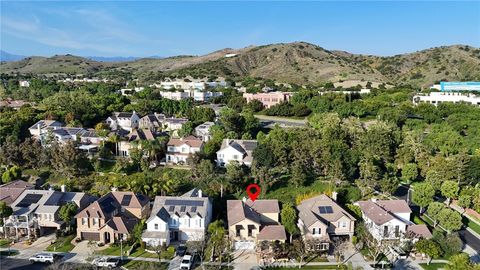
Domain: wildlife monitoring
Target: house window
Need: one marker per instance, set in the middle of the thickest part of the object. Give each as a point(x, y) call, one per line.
point(397, 231)
point(95, 221)
point(220, 155)
point(156, 226)
point(342, 224)
point(317, 231)
point(184, 150)
point(84, 221)
point(323, 246)
point(385, 231)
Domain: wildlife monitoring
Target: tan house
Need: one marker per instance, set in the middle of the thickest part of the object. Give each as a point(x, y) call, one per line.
point(178, 150)
point(252, 222)
point(320, 218)
point(112, 217)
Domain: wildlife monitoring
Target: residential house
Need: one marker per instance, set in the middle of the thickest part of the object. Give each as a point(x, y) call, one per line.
point(42, 127)
point(203, 131)
point(178, 218)
point(36, 211)
point(268, 99)
point(388, 219)
point(15, 104)
point(123, 120)
point(251, 222)
point(178, 150)
point(240, 151)
point(153, 121)
point(9, 192)
point(133, 140)
point(320, 218)
point(174, 124)
point(112, 217)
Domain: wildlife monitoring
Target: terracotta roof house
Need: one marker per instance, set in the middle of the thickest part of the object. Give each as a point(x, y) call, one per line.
point(35, 211)
point(236, 151)
point(178, 218)
point(112, 217)
point(321, 217)
point(388, 219)
point(251, 222)
point(9, 192)
point(178, 150)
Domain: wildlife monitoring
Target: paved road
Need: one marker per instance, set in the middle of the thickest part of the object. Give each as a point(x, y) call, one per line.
point(19, 264)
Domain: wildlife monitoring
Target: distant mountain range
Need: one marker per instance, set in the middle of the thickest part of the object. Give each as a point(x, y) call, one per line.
point(298, 62)
point(8, 57)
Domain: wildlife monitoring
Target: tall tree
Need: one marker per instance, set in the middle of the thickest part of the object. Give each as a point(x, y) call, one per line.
point(423, 194)
point(289, 219)
point(67, 213)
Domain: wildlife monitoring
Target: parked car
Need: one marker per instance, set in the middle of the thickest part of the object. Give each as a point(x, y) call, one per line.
point(187, 262)
point(43, 258)
point(181, 250)
point(106, 262)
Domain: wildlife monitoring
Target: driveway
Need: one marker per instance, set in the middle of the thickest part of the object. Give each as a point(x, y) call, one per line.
point(245, 260)
point(40, 245)
point(80, 253)
point(175, 263)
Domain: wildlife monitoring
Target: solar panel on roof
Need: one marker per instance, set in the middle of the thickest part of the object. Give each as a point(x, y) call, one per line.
point(126, 200)
point(183, 202)
point(325, 209)
point(107, 205)
point(29, 199)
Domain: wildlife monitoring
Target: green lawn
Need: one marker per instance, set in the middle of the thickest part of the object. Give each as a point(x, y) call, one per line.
point(114, 250)
point(433, 266)
point(4, 243)
point(306, 267)
point(8, 253)
point(140, 252)
point(62, 244)
point(472, 225)
point(131, 265)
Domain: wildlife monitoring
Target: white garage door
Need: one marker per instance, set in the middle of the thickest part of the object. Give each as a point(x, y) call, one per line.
point(241, 245)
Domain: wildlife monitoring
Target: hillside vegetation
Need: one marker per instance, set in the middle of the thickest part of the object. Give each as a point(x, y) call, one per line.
point(299, 63)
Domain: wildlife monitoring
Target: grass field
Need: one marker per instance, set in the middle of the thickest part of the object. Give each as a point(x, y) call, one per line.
point(472, 225)
point(114, 250)
point(433, 266)
point(319, 267)
point(137, 265)
point(4, 243)
point(62, 244)
point(140, 252)
point(288, 193)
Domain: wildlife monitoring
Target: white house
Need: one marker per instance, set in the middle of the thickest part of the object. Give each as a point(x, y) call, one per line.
point(173, 124)
point(389, 219)
point(203, 131)
point(183, 218)
point(236, 150)
point(178, 150)
point(42, 127)
point(123, 120)
point(436, 98)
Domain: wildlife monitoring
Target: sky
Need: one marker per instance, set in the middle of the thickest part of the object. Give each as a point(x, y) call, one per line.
point(124, 28)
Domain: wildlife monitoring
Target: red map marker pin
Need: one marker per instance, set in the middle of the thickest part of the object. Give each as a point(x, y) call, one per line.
point(253, 195)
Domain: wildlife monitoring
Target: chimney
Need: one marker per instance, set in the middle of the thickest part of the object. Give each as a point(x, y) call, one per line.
point(113, 189)
point(63, 188)
point(200, 193)
point(334, 195)
point(244, 199)
point(374, 200)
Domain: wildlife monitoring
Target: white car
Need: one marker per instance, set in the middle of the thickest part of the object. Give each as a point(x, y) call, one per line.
point(43, 258)
point(106, 262)
point(186, 263)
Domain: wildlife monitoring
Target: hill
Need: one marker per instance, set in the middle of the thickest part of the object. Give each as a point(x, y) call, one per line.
point(8, 57)
point(299, 62)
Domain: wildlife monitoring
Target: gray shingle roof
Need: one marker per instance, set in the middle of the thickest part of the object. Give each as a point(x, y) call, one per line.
point(188, 204)
point(309, 210)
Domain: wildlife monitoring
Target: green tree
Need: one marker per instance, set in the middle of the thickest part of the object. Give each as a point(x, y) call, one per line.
point(423, 194)
point(434, 208)
point(450, 190)
point(289, 219)
point(465, 201)
point(13, 173)
point(450, 219)
point(409, 172)
point(429, 247)
point(461, 262)
point(67, 213)
point(137, 232)
point(5, 212)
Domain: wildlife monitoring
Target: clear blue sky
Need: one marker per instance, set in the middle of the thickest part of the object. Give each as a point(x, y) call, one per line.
point(170, 28)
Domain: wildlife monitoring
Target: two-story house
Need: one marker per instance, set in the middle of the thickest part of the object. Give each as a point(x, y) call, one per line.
point(36, 211)
point(178, 150)
point(181, 218)
point(133, 140)
point(203, 131)
point(153, 121)
point(43, 126)
point(123, 120)
point(112, 217)
point(321, 217)
point(251, 222)
point(390, 219)
point(240, 151)
point(174, 124)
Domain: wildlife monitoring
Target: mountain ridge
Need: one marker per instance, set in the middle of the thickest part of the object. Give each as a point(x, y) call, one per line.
point(297, 62)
